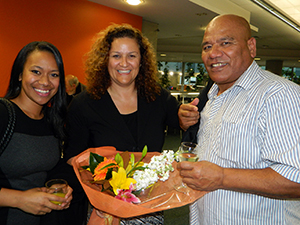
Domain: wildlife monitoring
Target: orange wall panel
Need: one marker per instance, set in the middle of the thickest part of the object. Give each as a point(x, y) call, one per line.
point(68, 24)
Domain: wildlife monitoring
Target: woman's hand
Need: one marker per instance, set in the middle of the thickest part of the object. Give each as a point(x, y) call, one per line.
point(36, 201)
point(65, 201)
point(68, 198)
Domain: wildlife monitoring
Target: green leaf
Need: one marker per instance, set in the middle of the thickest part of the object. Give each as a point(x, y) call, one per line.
point(143, 155)
point(132, 159)
point(130, 174)
point(108, 165)
point(109, 174)
point(140, 168)
point(144, 151)
point(99, 158)
point(95, 159)
point(119, 160)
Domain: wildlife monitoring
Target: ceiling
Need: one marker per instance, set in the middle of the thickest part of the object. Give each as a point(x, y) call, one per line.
point(181, 26)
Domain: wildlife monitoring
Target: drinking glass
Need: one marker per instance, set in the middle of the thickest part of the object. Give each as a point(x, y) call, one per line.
point(186, 152)
point(58, 187)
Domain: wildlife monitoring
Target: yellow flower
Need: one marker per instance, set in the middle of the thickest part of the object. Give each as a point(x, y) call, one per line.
point(120, 181)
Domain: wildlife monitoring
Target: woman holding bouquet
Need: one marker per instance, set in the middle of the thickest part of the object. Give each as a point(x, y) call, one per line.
point(124, 106)
point(36, 94)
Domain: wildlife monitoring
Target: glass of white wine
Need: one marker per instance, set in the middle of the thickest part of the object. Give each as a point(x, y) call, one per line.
point(186, 152)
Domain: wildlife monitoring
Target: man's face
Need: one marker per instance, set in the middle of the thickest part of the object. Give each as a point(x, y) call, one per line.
point(69, 89)
point(227, 51)
point(68, 86)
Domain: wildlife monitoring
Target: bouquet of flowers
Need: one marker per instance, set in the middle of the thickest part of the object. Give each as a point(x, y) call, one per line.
point(150, 177)
point(125, 178)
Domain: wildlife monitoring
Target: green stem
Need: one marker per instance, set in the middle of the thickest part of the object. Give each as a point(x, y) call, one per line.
point(133, 168)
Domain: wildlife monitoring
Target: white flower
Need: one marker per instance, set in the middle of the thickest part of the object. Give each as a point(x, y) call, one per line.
point(158, 168)
point(145, 178)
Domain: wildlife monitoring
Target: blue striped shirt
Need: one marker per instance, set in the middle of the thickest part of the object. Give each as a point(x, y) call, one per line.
point(254, 124)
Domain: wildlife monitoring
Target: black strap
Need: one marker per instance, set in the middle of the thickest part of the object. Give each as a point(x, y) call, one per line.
point(11, 124)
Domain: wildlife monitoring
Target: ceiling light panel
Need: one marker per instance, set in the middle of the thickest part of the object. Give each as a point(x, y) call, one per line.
point(279, 12)
point(291, 8)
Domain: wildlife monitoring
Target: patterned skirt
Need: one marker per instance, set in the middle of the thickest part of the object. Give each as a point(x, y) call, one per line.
point(149, 219)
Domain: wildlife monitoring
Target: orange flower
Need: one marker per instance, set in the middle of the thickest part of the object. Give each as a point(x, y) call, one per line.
point(102, 168)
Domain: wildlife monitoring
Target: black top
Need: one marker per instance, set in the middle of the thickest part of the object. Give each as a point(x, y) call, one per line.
point(95, 123)
point(31, 153)
point(131, 122)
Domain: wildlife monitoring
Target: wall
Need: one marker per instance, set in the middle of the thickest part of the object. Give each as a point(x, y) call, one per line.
point(150, 30)
point(68, 24)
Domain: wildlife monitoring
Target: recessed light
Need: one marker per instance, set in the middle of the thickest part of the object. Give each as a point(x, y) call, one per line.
point(257, 59)
point(134, 2)
point(163, 55)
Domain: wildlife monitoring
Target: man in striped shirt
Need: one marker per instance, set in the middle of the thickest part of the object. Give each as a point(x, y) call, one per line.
point(248, 137)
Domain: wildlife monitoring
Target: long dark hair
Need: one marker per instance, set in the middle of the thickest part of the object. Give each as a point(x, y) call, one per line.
point(55, 110)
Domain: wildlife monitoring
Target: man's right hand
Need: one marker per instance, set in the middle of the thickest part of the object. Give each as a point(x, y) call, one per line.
point(188, 114)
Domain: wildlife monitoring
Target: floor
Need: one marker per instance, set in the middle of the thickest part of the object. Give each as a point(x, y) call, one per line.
point(177, 216)
point(172, 139)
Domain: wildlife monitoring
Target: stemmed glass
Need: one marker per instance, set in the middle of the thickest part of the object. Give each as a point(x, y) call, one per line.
point(186, 152)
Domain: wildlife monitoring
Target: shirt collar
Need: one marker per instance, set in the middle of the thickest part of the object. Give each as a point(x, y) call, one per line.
point(245, 81)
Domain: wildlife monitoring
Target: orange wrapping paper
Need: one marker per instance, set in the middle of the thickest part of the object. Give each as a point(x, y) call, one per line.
point(162, 196)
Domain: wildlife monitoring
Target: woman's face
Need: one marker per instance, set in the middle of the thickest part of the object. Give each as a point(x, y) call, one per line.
point(124, 61)
point(40, 78)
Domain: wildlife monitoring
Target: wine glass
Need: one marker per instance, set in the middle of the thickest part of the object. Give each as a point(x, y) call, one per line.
point(186, 152)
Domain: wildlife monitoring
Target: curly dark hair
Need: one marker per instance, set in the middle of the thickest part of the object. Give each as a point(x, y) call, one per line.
point(97, 76)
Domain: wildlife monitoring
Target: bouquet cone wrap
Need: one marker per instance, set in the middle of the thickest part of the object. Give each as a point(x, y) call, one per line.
point(161, 196)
